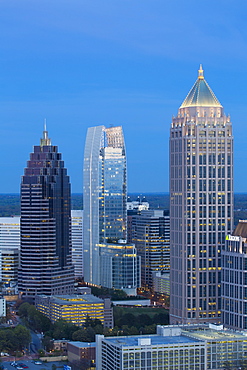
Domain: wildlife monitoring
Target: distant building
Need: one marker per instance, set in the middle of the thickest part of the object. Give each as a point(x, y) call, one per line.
point(234, 279)
point(9, 253)
point(45, 258)
point(201, 204)
point(161, 282)
point(108, 314)
point(77, 241)
point(104, 195)
point(151, 235)
point(120, 267)
point(139, 204)
point(188, 347)
point(72, 308)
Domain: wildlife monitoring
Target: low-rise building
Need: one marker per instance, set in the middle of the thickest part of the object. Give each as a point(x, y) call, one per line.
point(188, 347)
point(81, 352)
point(73, 308)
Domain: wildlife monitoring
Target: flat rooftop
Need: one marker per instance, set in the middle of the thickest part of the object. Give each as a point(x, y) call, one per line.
point(216, 335)
point(73, 299)
point(155, 340)
point(83, 344)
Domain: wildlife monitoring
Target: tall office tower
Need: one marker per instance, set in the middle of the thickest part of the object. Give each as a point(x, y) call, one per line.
point(45, 259)
point(77, 241)
point(104, 194)
point(151, 235)
point(201, 204)
point(234, 279)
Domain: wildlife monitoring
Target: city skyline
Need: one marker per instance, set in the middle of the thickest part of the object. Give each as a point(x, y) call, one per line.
point(82, 64)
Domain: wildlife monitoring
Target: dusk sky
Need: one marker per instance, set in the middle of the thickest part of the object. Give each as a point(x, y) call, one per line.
point(83, 63)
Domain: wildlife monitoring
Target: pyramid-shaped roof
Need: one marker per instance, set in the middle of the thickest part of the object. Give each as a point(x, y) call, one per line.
point(201, 95)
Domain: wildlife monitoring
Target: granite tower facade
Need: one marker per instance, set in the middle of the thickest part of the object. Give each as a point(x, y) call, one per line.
point(201, 204)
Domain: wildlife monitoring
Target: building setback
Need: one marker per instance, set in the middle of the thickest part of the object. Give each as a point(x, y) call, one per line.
point(45, 258)
point(201, 204)
point(104, 195)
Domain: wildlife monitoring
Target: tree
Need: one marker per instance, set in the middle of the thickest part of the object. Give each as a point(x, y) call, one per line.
point(80, 335)
point(23, 309)
point(22, 335)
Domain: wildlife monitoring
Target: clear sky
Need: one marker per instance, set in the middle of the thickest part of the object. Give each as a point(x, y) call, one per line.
point(82, 63)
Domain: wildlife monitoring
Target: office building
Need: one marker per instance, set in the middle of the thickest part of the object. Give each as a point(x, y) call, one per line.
point(104, 195)
point(72, 308)
point(201, 204)
point(139, 204)
point(10, 232)
point(10, 265)
point(188, 347)
point(9, 253)
point(234, 279)
point(81, 353)
point(77, 242)
point(161, 282)
point(120, 267)
point(151, 235)
point(45, 258)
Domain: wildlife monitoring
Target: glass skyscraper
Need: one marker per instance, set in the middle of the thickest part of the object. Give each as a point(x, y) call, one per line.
point(45, 258)
point(201, 204)
point(104, 194)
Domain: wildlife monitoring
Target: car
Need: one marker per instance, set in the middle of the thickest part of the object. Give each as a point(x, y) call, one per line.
point(24, 366)
point(37, 362)
point(14, 364)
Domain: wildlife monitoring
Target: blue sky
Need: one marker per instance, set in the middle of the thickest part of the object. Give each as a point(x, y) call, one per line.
point(81, 63)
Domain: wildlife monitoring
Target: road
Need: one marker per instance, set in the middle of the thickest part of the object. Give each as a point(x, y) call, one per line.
point(35, 344)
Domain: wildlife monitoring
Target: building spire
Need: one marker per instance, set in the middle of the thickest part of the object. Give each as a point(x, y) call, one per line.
point(200, 73)
point(45, 141)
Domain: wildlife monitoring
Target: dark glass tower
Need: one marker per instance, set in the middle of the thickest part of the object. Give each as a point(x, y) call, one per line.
point(45, 259)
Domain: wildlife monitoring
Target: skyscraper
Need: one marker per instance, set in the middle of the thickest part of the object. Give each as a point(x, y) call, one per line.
point(104, 194)
point(201, 203)
point(45, 258)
